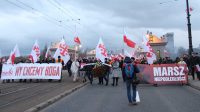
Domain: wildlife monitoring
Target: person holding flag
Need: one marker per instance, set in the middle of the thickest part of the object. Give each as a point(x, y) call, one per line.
point(62, 54)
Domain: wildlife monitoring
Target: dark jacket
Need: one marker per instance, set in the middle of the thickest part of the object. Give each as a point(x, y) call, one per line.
point(0, 68)
point(69, 64)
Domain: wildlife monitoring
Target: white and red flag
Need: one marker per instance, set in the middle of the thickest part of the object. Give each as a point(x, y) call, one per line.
point(145, 44)
point(77, 40)
point(35, 52)
point(15, 53)
point(101, 52)
point(151, 57)
point(129, 42)
point(62, 51)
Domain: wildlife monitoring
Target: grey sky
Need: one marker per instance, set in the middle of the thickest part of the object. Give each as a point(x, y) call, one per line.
point(98, 18)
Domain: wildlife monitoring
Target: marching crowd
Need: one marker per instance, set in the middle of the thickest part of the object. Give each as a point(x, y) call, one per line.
point(75, 67)
point(125, 67)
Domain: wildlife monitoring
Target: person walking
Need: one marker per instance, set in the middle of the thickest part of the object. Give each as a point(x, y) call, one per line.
point(1, 65)
point(121, 66)
point(74, 69)
point(115, 72)
point(130, 71)
point(195, 61)
point(69, 64)
point(59, 60)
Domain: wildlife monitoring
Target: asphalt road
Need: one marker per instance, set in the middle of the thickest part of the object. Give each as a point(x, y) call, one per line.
point(98, 98)
point(18, 97)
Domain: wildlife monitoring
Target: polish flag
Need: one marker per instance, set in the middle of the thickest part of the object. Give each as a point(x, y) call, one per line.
point(35, 53)
point(101, 52)
point(129, 42)
point(77, 40)
point(62, 51)
point(15, 53)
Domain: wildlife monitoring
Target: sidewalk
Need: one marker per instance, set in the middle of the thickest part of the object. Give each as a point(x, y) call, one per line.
point(194, 83)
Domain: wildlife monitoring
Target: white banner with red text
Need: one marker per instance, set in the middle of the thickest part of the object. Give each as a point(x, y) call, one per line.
point(31, 71)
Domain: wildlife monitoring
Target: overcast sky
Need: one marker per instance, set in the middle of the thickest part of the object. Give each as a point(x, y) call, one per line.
point(24, 21)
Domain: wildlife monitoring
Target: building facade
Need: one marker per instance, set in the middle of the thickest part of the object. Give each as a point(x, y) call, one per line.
point(158, 45)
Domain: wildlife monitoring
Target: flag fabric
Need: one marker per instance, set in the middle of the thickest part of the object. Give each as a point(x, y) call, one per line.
point(77, 40)
point(9, 61)
point(145, 44)
point(15, 53)
point(124, 38)
point(33, 57)
point(62, 51)
point(101, 52)
point(35, 53)
point(151, 57)
point(129, 42)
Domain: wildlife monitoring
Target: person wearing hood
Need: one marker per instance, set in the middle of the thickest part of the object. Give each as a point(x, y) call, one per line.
point(130, 71)
point(74, 69)
point(116, 71)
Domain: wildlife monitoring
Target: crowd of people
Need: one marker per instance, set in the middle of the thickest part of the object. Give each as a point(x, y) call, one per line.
point(74, 67)
point(83, 69)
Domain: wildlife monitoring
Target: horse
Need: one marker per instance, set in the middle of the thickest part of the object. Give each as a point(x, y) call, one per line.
point(93, 71)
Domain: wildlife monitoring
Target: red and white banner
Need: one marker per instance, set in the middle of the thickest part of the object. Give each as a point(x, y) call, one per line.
point(163, 73)
point(31, 71)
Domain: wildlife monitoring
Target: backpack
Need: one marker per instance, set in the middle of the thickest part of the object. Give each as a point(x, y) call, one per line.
point(129, 70)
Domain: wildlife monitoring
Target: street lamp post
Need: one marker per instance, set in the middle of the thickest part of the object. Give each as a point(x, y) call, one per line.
point(189, 29)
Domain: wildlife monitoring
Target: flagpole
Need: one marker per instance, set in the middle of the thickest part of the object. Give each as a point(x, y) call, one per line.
point(123, 42)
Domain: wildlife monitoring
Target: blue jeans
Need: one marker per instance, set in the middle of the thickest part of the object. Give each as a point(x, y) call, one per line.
point(129, 85)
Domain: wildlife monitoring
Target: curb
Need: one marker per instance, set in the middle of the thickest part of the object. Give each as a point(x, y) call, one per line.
point(193, 86)
point(54, 99)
